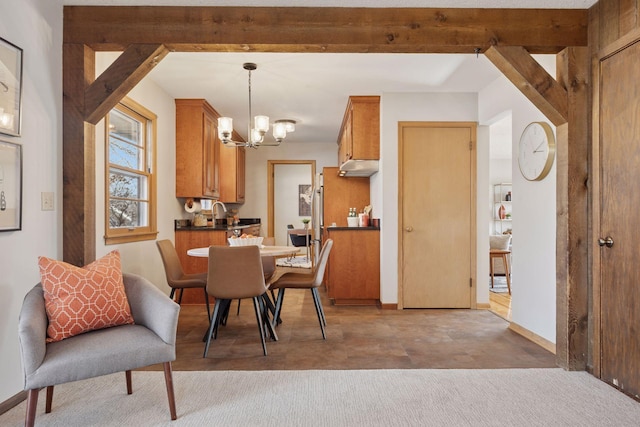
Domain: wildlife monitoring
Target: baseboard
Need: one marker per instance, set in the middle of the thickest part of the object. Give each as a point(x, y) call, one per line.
point(483, 306)
point(13, 401)
point(531, 336)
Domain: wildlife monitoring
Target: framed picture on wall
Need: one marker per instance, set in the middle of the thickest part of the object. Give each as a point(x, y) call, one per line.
point(10, 186)
point(304, 200)
point(10, 88)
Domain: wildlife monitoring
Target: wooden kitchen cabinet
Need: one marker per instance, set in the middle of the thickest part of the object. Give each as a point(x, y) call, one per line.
point(232, 174)
point(340, 194)
point(197, 150)
point(189, 239)
point(354, 266)
point(359, 137)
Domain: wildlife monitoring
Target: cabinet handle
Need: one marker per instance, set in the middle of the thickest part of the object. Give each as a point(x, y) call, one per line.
point(408, 229)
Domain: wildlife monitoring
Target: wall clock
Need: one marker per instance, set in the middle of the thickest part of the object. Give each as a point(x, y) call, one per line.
point(536, 151)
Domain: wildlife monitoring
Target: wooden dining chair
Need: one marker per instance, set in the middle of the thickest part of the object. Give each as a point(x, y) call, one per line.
point(311, 281)
point(235, 272)
point(177, 279)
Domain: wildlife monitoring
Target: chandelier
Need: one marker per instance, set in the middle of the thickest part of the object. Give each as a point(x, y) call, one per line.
point(256, 133)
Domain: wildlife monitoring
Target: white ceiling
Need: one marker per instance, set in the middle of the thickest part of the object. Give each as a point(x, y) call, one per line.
point(312, 88)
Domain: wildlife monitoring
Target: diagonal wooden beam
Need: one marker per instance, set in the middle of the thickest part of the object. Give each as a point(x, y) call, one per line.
point(122, 76)
point(532, 80)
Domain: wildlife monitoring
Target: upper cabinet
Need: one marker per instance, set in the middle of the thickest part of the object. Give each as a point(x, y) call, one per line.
point(359, 138)
point(232, 178)
point(197, 150)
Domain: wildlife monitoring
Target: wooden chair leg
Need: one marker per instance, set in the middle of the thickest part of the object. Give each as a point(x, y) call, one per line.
point(168, 379)
point(127, 375)
point(32, 404)
point(507, 272)
point(49, 401)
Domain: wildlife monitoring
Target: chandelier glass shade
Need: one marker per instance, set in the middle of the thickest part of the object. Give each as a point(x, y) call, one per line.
point(258, 127)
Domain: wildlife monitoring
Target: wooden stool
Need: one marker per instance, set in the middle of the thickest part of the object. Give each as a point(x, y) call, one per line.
point(502, 254)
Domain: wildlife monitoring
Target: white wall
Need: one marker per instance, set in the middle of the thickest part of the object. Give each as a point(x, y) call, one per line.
point(36, 27)
point(394, 108)
point(324, 154)
point(143, 258)
point(534, 217)
point(287, 178)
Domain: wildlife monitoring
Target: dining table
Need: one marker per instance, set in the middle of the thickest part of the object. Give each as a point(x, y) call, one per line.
point(265, 251)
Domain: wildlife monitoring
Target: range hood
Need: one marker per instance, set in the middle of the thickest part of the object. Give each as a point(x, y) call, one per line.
point(358, 168)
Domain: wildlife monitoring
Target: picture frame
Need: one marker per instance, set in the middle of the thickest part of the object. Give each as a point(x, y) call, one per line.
point(10, 88)
point(304, 200)
point(10, 186)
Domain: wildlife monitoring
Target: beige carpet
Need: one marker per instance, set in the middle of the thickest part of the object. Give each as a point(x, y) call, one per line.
point(508, 397)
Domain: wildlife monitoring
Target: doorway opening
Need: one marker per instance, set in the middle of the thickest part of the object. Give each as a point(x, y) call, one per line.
point(501, 205)
point(287, 181)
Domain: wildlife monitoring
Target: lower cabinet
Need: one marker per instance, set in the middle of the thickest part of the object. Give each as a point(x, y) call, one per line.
point(189, 239)
point(354, 266)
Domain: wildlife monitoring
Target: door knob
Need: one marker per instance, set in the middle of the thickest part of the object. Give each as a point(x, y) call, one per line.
point(608, 241)
point(408, 229)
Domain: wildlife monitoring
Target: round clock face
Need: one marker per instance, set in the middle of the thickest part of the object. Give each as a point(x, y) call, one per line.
point(536, 151)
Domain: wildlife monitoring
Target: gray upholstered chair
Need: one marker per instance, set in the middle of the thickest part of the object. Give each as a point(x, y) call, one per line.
point(310, 281)
point(149, 341)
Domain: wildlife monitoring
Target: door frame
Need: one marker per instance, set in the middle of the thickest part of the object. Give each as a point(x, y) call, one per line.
point(474, 200)
point(271, 164)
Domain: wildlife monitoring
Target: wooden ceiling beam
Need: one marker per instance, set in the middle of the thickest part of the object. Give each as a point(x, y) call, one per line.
point(532, 80)
point(122, 76)
point(325, 29)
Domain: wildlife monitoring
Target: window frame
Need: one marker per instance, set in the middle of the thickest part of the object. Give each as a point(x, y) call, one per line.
point(148, 122)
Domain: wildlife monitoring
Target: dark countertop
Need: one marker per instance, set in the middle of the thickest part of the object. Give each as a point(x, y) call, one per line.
point(330, 228)
point(217, 227)
point(244, 223)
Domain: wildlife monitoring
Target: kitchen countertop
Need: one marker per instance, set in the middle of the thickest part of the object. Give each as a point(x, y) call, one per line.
point(244, 223)
point(217, 227)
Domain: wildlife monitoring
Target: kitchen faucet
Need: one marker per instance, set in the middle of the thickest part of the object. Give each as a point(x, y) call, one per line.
point(213, 208)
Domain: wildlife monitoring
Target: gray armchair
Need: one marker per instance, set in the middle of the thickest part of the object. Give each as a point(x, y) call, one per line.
point(149, 341)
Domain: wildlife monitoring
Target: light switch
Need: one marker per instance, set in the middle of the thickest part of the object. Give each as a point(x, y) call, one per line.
point(46, 200)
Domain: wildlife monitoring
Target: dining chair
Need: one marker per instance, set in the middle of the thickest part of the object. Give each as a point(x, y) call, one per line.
point(177, 279)
point(235, 272)
point(268, 265)
point(311, 281)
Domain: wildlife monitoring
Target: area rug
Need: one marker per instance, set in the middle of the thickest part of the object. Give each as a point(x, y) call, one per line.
point(295, 262)
point(507, 397)
point(499, 285)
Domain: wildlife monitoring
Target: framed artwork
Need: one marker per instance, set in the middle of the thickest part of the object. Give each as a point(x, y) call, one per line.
point(10, 186)
point(304, 200)
point(10, 88)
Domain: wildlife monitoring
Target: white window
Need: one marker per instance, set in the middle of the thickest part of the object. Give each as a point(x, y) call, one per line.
point(130, 193)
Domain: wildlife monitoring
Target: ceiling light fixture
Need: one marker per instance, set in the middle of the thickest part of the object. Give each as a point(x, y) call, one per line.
point(260, 127)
